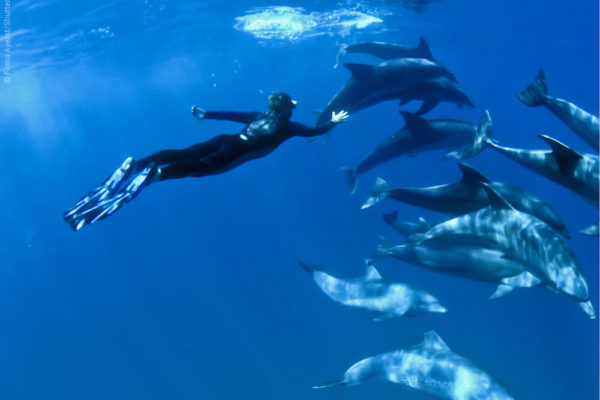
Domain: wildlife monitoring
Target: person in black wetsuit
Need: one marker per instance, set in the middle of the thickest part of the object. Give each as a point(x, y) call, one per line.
point(262, 134)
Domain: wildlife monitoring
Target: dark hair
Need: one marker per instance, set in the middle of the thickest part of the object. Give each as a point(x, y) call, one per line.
point(282, 104)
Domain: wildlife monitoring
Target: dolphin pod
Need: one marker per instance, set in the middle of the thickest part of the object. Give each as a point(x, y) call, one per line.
point(371, 293)
point(468, 195)
point(502, 245)
point(406, 74)
point(419, 135)
point(431, 367)
point(581, 122)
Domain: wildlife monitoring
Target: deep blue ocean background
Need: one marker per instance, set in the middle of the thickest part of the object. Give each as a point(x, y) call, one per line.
point(193, 290)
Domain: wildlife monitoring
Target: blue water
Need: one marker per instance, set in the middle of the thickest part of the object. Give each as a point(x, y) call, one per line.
point(192, 291)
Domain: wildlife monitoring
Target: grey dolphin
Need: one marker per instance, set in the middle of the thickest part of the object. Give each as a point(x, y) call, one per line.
point(371, 84)
point(420, 135)
point(581, 122)
point(387, 51)
point(370, 292)
point(468, 195)
point(430, 367)
point(499, 244)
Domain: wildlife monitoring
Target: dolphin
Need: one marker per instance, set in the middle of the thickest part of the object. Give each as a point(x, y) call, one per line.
point(468, 195)
point(563, 165)
point(498, 244)
point(387, 51)
point(371, 293)
point(420, 135)
point(581, 122)
point(430, 367)
point(371, 84)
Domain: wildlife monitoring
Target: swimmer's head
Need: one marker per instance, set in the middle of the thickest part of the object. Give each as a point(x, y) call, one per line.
point(282, 104)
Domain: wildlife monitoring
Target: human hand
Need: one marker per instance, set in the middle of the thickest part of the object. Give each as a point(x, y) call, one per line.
point(198, 113)
point(339, 117)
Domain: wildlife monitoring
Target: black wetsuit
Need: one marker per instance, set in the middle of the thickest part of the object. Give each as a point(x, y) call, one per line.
point(263, 133)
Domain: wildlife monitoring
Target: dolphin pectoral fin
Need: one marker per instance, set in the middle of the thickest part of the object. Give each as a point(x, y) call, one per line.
point(502, 290)
point(591, 230)
point(524, 279)
point(390, 218)
point(385, 317)
point(352, 178)
point(329, 384)
point(587, 307)
point(427, 106)
point(378, 193)
point(311, 267)
point(566, 157)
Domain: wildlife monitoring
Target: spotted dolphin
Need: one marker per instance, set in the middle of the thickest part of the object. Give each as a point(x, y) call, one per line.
point(498, 244)
point(581, 122)
point(430, 367)
point(419, 135)
point(468, 195)
point(370, 292)
point(371, 84)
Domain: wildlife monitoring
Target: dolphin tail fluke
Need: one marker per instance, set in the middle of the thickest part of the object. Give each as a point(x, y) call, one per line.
point(502, 290)
point(352, 177)
point(535, 94)
point(378, 193)
point(311, 267)
point(383, 249)
point(587, 307)
point(590, 230)
point(483, 137)
point(329, 384)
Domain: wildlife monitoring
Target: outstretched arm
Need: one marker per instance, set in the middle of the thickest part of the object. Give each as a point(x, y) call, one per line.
point(242, 117)
point(306, 131)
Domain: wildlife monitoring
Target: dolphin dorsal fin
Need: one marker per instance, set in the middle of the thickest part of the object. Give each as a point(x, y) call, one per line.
point(566, 157)
point(413, 122)
point(360, 72)
point(497, 202)
point(471, 175)
point(432, 340)
point(371, 273)
point(424, 50)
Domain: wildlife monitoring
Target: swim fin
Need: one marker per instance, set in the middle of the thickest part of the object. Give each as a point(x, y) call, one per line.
point(107, 198)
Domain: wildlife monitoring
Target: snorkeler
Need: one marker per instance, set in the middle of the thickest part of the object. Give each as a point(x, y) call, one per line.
point(263, 133)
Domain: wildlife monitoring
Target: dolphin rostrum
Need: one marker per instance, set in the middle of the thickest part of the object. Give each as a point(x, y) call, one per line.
point(498, 244)
point(430, 367)
point(420, 135)
point(468, 195)
point(371, 293)
point(371, 84)
point(581, 122)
